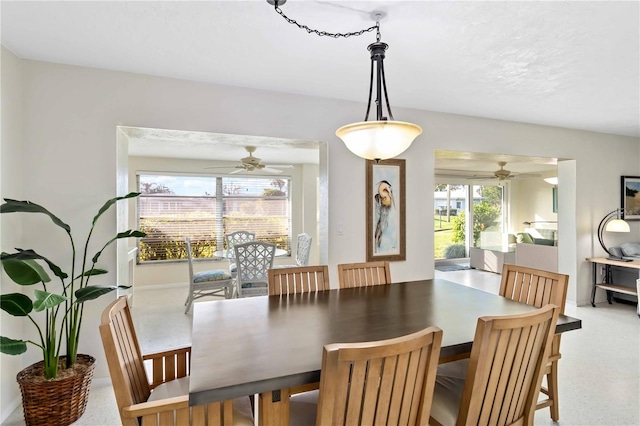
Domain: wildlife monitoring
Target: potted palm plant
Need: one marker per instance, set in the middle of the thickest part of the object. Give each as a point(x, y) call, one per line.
point(55, 389)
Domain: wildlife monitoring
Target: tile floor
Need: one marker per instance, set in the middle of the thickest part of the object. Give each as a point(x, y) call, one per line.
point(599, 370)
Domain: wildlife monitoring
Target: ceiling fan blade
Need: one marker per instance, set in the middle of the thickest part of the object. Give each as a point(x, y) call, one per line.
point(240, 170)
point(267, 169)
point(280, 166)
point(219, 167)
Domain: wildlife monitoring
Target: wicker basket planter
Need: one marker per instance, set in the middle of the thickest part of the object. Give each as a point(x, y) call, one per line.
point(57, 402)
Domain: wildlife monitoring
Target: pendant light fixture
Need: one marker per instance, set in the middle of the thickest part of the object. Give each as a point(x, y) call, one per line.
point(374, 140)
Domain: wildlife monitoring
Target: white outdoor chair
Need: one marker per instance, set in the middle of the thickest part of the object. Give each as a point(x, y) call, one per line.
point(234, 238)
point(303, 248)
point(213, 282)
point(254, 259)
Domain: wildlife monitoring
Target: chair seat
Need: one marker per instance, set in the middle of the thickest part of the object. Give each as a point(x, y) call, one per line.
point(242, 414)
point(448, 391)
point(303, 408)
point(210, 276)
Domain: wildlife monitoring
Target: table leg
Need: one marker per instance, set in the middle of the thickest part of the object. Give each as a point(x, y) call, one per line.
point(593, 290)
point(274, 408)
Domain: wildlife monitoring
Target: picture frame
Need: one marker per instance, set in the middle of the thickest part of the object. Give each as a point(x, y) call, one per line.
point(630, 197)
point(385, 210)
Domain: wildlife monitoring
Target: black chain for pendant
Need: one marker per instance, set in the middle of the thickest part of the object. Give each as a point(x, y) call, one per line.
point(325, 33)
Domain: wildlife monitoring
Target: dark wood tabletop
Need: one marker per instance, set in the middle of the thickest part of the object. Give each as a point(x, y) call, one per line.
point(260, 344)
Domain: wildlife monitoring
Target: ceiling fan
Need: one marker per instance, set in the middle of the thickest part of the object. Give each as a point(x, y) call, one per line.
point(251, 164)
point(504, 174)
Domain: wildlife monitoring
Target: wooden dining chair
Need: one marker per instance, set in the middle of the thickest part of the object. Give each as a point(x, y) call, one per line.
point(538, 288)
point(298, 279)
point(387, 382)
point(363, 274)
point(213, 282)
point(502, 378)
point(254, 259)
point(165, 399)
point(499, 384)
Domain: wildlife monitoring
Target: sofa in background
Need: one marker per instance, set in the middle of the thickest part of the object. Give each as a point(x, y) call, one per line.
point(537, 248)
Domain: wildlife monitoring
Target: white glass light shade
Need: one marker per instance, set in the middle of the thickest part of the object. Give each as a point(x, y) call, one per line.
point(617, 225)
point(378, 140)
point(552, 180)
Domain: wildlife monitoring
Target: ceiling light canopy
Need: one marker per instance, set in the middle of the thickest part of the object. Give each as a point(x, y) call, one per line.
point(374, 140)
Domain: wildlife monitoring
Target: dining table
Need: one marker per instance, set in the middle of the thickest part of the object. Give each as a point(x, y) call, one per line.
point(268, 344)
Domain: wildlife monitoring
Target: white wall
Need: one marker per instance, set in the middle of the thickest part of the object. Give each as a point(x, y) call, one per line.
point(71, 113)
point(11, 159)
point(530, 200)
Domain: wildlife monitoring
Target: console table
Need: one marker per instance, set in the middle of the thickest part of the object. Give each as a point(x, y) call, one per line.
point(491, 258)
point(607, 283)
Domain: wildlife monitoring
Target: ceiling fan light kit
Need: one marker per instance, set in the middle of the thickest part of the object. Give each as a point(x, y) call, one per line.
point(373, 140)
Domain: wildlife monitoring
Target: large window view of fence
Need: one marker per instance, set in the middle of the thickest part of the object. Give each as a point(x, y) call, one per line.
point(204, 208)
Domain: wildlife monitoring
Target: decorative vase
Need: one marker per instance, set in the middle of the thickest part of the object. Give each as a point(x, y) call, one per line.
point(60, 401)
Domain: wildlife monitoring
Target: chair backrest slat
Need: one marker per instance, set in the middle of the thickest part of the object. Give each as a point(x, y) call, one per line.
point(303, 279)
point(384, 382)
point(364, 274)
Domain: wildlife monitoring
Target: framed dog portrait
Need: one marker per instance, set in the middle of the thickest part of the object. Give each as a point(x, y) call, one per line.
point(385, 186)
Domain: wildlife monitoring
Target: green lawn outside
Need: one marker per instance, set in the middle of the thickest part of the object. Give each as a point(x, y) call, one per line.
point(443, 236)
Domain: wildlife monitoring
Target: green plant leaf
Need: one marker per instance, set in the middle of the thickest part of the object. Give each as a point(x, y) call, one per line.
point(95, 271)
point(125, 234)
point(15, 206)
point(16, 304)
point(45, 300)
point(24, 271)
point(11, 346)
point(111, 202)
point(93, 292)
point(30, 254)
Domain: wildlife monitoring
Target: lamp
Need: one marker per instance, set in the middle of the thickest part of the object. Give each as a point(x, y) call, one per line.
point(609, 224)
point(552, 180)
point(374, 140)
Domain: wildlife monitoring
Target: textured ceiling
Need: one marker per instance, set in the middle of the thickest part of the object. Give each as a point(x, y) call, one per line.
point(558, 63)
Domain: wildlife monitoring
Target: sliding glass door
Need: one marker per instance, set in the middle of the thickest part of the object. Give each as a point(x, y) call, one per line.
point(453, 205)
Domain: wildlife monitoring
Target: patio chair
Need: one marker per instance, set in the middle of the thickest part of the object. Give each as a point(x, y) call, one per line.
point(232, 239)
point(303, 249)
point(214, 282)
point(254, 259)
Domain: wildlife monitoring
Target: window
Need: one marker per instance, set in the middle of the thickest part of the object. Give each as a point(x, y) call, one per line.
point(205, 208)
